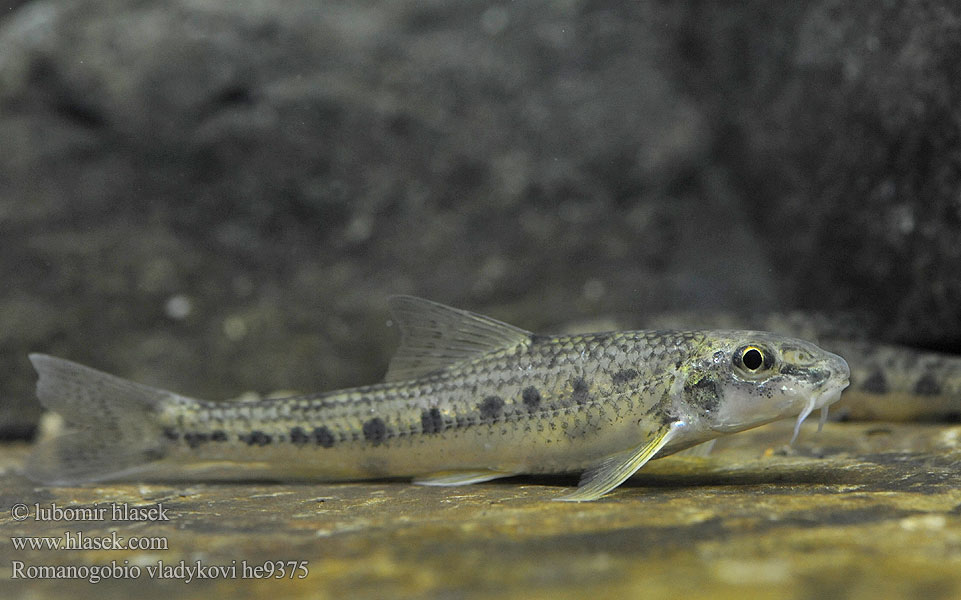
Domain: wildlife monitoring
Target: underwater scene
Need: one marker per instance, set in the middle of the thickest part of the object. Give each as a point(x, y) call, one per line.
point(480, 300)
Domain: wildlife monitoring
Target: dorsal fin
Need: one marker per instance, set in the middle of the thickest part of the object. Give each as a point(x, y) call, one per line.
point(434, 336)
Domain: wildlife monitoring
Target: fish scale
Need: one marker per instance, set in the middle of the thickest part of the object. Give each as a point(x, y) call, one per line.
point(466, 399)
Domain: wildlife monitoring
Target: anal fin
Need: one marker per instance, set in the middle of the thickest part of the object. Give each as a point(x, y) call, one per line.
point(614, 470)
point(452, 478)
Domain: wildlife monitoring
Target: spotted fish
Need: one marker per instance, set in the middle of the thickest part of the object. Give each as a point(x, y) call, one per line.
point(466, 399)
point(888, 382)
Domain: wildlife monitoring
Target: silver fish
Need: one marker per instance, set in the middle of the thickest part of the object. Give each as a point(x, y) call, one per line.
point(466, 399)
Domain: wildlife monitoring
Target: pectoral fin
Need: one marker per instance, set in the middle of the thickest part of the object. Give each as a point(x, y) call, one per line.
point(614, 470)
point(452, 478)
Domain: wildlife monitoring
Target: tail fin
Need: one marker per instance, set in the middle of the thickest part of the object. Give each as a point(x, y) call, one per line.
point(111, 425)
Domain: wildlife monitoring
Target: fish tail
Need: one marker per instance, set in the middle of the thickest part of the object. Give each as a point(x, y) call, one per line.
point(111, 425)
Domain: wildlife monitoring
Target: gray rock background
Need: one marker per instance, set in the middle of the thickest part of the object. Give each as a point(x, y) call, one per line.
point(217, 197)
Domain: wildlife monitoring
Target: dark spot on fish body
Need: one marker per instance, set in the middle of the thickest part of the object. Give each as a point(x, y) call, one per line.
point(322, 437)
point(875, 384)
point(539, 339)
point(531, 397)
point(218, 436)
point(375, 431)
point(579, 390)
point(298, 436)
point(431, 421)
point(171, 434)
point(195, 439)
point(256, 438)
point(625, 375)
point(490, 408)
point(704, 393)
point(927, 386)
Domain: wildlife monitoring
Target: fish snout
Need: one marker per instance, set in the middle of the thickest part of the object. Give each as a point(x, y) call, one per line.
point(840, 371)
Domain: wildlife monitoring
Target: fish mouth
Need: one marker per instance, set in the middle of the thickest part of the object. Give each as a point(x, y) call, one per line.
point(822, 399)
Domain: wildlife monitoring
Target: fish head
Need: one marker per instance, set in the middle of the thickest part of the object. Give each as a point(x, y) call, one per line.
point(747, 378)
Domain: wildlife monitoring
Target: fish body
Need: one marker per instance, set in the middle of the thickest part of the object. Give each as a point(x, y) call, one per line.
point(899, 383)
point(466, 399)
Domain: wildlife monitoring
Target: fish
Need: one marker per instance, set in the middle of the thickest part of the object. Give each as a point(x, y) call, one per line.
point(891, 382)
point(466, 399)
point(888, 382)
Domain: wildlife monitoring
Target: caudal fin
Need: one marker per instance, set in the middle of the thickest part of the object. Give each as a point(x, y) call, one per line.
point(111, 426)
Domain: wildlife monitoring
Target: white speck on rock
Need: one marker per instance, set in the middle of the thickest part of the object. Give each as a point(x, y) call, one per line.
point(178, 307)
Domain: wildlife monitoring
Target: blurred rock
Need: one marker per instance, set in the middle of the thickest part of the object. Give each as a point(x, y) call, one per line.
point(841, 127)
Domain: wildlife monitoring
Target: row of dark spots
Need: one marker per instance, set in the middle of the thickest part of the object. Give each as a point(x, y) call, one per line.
point(255, 438)
point(320, 436)
point(877, 383)
point(490, 408)
point(194, 439)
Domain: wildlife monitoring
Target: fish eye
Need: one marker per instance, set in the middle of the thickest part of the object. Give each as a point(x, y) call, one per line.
point(753, 359)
